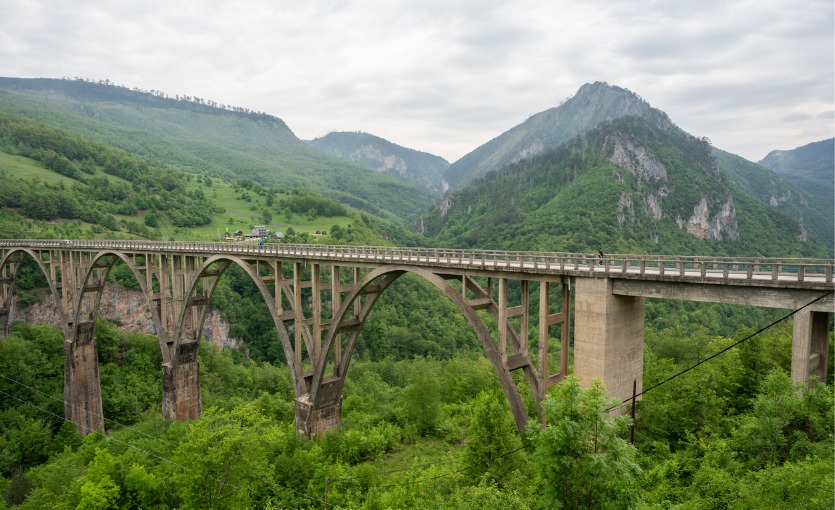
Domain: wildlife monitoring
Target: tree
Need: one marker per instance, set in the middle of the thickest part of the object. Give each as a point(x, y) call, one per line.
point(18, 489)
point(492, 437)
point(152, 219)
point(226, 453)
point(423, 399)
point(580, 459)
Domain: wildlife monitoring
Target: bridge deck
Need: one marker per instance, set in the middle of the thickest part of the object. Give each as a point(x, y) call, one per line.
point(759, 271)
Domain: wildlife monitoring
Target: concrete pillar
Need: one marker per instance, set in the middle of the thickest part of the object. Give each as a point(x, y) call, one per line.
point(181, 385)
point(608, 337)
point(82, 392)
point(5, 322)
point(314, 422)
point(810, 345)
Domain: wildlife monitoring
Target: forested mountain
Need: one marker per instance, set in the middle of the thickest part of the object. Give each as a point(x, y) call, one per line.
point(420, 169)
point(193, 134)
point(810, 167)
point(631, 185)
point(810, 210)
point(594, 103)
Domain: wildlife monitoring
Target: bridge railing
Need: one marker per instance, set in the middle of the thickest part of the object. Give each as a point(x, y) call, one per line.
point(748, 268)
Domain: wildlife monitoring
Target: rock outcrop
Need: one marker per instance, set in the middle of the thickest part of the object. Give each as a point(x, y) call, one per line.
point(128, 310)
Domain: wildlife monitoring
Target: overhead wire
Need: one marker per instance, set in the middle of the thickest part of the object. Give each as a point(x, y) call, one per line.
point(752, 335)
point(103, 418)
point(607, 410)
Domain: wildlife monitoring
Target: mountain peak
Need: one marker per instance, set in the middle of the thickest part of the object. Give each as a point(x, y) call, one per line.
point(592, 105)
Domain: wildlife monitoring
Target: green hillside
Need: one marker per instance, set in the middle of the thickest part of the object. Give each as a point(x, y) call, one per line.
point(593, 104)
point(199, 136)
point(424, 422)
point(57, 184)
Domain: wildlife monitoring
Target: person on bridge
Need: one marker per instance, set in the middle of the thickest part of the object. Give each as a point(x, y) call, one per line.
point(600, 256)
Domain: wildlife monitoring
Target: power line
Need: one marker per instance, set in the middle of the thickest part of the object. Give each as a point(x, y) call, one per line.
point(96, 415)
point(720, 352)
point(445, 475)
point(146, 452)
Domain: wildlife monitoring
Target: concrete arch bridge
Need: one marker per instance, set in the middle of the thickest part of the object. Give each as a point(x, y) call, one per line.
point(319, 297)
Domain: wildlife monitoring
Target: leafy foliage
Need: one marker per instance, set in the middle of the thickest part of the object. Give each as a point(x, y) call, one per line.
point(582, 462)
point(762, 442)
point(813, 212)
point(94, 197)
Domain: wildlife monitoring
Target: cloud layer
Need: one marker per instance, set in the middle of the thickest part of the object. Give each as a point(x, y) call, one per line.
point(445, 77)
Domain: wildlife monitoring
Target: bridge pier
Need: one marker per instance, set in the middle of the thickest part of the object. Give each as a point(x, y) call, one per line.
point(810, 345)
point(315, 422)
point(608, 337)
point(82, 392)
point(181, 385)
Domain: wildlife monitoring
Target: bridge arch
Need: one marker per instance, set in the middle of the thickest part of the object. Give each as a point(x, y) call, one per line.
point(320, 409)
point(93, 283)
point(9, 267)
point(205, 270)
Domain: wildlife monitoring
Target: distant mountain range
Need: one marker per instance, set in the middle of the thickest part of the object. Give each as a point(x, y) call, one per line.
point(420, 169)
point(630, 185)
point(810, 167)
point(604, 167)
point(599, 105)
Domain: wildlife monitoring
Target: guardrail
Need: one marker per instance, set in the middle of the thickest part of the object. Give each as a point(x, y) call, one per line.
point(728, 268)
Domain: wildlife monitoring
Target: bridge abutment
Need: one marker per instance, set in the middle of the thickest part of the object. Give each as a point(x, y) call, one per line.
point(82, 392)
point(810, 345)
point(608, 337)
point(181, 385)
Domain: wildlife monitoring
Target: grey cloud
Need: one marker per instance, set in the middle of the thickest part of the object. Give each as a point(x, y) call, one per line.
point(445, 77)
point(796, 116)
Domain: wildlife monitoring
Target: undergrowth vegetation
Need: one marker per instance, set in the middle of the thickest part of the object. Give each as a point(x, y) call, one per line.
point(433, 432)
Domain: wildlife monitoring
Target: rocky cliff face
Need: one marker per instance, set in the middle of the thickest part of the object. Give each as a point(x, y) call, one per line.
point(717, 222)
point(722, 224)
point(128, 310)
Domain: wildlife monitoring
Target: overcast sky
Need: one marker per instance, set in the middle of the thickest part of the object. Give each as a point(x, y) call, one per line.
point(443, 76)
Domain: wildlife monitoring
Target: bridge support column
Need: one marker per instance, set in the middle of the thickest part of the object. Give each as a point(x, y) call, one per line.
point(810, 345)
point(315, 422)
point(82, 393)
point(608, 337)
point(181, 385)
point(5, 322)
